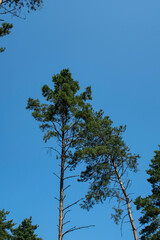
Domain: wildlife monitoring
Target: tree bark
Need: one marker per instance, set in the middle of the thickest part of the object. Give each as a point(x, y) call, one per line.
point(127, 201)
point(62, 182)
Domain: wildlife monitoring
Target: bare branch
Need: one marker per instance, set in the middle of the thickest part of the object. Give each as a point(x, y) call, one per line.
point(71, 177)
point(56, 199)
point(76, 228)
point(66, 167)
point(66, 187)
point(56, 175)
point(122, 222)
point(66, 222)
point(54, 149)
point(12, 12)
point(72, 204)
point(65, 214)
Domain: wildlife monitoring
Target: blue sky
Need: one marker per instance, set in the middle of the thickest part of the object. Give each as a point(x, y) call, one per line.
point(112, 46)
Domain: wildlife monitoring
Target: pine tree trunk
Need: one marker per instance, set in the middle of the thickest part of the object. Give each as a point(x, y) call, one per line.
point(62, 183)
point(127, 201)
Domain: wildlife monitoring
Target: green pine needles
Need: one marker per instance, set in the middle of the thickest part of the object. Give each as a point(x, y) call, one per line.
point(86, 136)
point(63, 102)
point(108, 160)
point(150, 205)
point(6, 226)
point(5, 30)
point(25, 231)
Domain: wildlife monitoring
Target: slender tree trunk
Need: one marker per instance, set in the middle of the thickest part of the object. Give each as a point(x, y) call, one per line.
point(62, 183)
point(127, 201)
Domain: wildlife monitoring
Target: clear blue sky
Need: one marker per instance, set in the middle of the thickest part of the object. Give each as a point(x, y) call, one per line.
point(112, 45)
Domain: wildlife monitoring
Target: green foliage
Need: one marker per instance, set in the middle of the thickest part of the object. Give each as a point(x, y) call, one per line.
point(5, 30)
point(98, 145)
point(25, 231)
point(6, 226)
point(150, 205)
point(63, 99)
point(60, 118)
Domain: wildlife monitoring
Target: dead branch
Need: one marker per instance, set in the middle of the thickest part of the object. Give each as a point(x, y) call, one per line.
point(65, 214)
point(56, 199)
point(122, 222)
point(72, 204)
point(66, 222)
point(54, 149)
point(71, 177)
point(56, 175)
point(76, 228)
point(66, 187)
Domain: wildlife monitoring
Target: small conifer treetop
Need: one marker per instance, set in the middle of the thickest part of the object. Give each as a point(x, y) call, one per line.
point(150, 205)
point(61, 118)
point(25, 231)
point(6, 226)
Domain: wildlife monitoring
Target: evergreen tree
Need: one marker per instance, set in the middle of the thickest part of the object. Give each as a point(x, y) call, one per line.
point(5, 30)
point(6, 226)
point(108, 159)
point(25, 231)
point(150, 205)
point(60, 119)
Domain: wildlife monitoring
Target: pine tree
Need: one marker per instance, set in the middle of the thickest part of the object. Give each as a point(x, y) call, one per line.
point(6, 226)
point(60, 119)
point(108, 160)
point(25, 231)
point(150, 205)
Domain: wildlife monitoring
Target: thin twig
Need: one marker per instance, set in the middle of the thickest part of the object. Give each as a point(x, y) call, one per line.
point(56, 175)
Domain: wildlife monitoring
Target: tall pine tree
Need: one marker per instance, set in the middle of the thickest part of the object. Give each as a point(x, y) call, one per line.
point(150, 205)
point(108, 160)
point(60, 119)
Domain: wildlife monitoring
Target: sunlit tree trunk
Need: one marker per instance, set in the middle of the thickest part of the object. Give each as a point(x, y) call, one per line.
point(127, 202)
point(62, 182)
